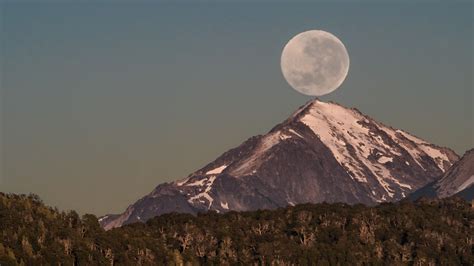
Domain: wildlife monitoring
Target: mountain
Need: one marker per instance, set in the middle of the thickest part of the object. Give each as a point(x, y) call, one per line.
point(458, 180)
point(324, 152)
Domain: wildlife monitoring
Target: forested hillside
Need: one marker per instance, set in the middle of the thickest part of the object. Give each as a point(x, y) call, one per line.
point(420, 233)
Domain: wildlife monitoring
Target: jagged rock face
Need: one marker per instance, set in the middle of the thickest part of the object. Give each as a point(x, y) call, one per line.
point(458, 180)
point(323, 152)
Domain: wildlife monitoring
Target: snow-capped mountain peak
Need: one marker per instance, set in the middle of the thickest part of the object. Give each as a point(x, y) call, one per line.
point(322, 152)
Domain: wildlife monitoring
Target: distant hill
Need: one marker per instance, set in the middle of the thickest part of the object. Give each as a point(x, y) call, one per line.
point(426, 232)
point(324, 152)
point(458, 180)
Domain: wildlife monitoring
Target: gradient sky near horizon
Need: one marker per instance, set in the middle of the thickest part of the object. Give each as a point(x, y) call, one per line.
point(102, 102)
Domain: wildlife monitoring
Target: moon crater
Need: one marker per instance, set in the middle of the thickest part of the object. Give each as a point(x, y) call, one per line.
point(315, 62)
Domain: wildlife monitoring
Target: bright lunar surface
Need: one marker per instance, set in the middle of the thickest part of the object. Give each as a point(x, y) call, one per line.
point(315, 62)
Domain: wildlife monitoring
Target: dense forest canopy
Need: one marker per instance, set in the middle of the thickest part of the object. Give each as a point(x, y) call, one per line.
point(426, 232)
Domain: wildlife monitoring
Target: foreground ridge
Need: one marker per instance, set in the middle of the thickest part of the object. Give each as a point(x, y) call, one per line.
point(426, 232)
point(324, 152)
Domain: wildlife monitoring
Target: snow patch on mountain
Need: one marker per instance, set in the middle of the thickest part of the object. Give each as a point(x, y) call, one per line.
point(284, 136)
point(225, 205)
point(466, 184)
point(411, 138)
point(409, 147)
point(296, 133)
point(182, 182)
point(199, 182)
point(426, 149)
point(438, 156)
point(385, 159)
point(205, 194)
point(249, 165)
point(217, 170)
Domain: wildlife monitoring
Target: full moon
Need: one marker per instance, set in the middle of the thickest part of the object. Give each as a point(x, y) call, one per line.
point(315, 62)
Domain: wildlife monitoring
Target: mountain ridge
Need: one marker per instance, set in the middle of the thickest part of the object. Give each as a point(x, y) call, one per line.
point(322, 152)
point(458, 180)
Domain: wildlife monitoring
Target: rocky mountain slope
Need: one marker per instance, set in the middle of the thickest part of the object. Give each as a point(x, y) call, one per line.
point(323, 152)
point(458, 180)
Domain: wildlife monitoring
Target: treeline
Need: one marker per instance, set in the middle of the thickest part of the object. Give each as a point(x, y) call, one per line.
point(426, 232)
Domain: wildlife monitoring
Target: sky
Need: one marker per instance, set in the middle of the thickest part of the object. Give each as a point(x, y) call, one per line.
point(102, 102)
